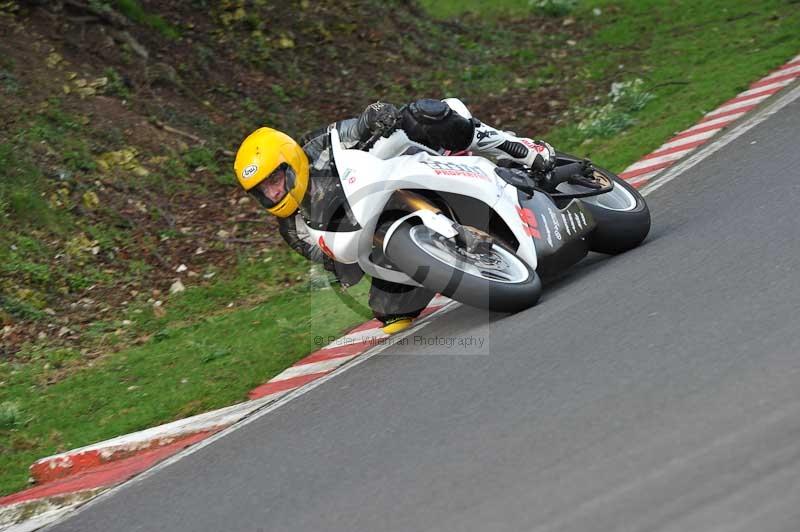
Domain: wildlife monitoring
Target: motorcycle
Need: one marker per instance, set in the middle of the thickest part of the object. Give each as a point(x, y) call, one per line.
point(465, 227)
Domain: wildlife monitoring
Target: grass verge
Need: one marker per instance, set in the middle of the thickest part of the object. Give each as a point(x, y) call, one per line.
point(692, 56)
point(185, 369)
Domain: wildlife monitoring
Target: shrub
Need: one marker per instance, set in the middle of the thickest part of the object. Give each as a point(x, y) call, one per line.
point(10, 415)
point(116, 86)
point(627, 98)
point(605, 121)
point(630, 95)
point(554, 8)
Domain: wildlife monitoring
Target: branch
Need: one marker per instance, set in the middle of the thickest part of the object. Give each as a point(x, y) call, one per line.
point(669, 83)
point(166, 127)
point(161, 125)
point(126, 38)
point(85, 18)
point(107, 14)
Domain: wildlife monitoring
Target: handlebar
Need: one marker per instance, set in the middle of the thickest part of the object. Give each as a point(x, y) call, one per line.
point(384, 131)
point(564, 172)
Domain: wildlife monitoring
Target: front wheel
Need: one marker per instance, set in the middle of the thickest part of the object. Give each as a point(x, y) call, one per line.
point(622, 216)
point(494, 279)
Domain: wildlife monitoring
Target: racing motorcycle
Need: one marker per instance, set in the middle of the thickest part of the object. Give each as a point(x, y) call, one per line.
point(465, 227)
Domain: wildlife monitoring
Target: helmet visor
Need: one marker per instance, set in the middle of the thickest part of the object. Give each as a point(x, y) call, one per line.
point(273, 188)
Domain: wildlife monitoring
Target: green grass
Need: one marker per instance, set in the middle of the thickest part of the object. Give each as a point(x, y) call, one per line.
point(134, 11)
point(21, 200)
point(691, 55)
point(184, 370)
point(35, 209)
point(445, 9)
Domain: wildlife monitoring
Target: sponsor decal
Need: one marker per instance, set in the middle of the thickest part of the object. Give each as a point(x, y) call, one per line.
point(325, 249)
point(576, 222)
point(566, 224)
point(250, 171)
point(539, 147)
point(533, 145)
point(349, 176)
point(456, 169)
point(549, 236)
point(529, 223)
point(482, 135)
point(486, 134)
point(554, 219)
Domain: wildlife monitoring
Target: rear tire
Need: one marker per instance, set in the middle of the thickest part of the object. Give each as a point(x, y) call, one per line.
point(520, 289)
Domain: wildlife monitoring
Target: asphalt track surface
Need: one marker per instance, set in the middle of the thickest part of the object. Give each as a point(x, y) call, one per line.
point(654, 391)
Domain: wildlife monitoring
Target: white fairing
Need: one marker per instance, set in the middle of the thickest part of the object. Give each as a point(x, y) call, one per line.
point(369, 182)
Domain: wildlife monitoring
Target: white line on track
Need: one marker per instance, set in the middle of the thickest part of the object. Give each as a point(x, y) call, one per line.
point(361, 336)
point(307, 369)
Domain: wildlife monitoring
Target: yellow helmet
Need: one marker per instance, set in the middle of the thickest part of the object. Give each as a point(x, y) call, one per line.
point(266, 158)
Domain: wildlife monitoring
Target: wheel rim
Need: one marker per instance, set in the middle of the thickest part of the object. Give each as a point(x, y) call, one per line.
point(618, 198)
point(498, 265)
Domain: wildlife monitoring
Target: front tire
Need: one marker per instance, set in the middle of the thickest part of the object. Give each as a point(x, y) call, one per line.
point(496, 280)
point(620, 227)
point(622, 216)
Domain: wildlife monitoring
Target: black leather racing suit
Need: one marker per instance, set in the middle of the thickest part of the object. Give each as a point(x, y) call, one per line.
point(432, 123)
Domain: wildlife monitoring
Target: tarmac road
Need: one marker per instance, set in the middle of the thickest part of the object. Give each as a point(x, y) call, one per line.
point(654, 391)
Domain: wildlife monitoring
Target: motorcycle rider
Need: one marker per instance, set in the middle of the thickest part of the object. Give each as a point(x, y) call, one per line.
point(297, 182)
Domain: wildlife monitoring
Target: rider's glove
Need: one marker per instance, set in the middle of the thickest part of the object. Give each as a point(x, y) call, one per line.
point(585, 177)
point(541, 170)
point(580, 173)
point(378, 117)
point(545, 158)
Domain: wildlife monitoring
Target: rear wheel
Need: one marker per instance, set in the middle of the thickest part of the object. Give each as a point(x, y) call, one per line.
point(495, 279)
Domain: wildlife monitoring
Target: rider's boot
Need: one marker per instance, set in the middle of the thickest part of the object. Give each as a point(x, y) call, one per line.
point(397, 324)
